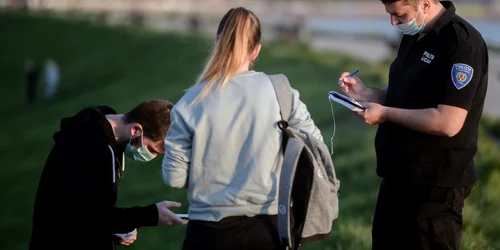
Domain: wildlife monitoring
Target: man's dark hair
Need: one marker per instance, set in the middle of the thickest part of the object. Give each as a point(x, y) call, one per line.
point(154, 117)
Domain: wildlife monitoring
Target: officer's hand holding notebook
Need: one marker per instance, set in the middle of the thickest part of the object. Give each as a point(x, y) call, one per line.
point(353, 88)
point(366, 100)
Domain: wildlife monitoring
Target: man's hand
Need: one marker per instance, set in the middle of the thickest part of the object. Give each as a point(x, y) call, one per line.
point(352, 86)
point(355, 88)
point(165, 216)
point(129, 240)
point(373, 114)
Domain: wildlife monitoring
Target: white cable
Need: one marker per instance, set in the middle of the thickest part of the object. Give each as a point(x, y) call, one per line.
point(334, 127)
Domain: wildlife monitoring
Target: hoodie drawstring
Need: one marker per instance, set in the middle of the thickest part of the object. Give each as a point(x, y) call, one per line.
point(113, 163)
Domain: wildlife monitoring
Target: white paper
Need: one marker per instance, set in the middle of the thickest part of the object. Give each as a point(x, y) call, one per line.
point(351, 105)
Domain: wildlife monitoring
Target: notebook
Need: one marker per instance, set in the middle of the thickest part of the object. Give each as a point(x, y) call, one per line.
point(348, 102)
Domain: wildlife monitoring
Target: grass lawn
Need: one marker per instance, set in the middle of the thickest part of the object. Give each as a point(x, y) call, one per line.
point(122, 66)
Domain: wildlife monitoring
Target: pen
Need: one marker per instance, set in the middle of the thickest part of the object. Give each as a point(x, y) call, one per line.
point(350, 75)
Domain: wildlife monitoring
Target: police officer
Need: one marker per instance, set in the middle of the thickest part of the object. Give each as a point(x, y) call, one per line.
point(428, 118)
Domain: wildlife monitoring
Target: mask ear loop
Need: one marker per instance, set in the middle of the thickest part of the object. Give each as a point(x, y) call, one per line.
point(142, 144)
point(130, 140)
point(334, 127)
point(423, 22)
point(142, 139)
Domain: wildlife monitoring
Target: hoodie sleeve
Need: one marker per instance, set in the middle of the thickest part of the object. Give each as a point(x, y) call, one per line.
point(178, 144)
point(92, 200)
point(300, 117)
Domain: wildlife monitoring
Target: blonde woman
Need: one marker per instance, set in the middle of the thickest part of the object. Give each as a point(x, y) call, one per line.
point(223, 144)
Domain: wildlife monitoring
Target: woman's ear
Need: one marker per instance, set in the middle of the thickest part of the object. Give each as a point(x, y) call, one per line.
point(255, 52)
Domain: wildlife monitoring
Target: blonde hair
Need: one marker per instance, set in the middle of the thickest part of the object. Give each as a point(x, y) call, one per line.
point(237, 36)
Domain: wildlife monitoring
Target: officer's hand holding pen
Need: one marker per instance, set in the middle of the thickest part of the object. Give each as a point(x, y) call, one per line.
point(351, 85)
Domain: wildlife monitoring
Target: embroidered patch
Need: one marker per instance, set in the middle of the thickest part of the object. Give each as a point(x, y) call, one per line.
point(461, 74)
point(282, 209)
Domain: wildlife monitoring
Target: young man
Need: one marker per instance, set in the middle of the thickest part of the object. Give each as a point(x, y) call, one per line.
point(429, 119)
point(75, 206)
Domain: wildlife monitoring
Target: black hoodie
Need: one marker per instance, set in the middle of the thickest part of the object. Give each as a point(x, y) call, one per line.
point(75, 205)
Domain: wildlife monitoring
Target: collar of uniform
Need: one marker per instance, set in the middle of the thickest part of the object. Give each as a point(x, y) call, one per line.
point(445, 18)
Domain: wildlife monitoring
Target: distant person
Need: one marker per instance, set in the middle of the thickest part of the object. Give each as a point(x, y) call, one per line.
point(75, 205)
point(24, 5)
point(31, 73)
point(298, 28)
point(51, 78)
point(194, 23)
point(137, 18)
point(224, 145)
point(428, 118)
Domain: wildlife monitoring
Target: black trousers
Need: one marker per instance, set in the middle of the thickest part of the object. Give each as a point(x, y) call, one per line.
point(418, 217)
point(233, 233)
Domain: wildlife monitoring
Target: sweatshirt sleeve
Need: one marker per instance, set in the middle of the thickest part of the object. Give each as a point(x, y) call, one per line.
point(90, 198)
point(300, 117)
point(178, 144)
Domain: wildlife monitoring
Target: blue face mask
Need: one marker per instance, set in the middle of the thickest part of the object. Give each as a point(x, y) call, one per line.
point(139, 154)
point(411, 28)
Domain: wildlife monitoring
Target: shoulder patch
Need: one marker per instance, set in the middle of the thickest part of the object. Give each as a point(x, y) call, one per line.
point(461, 74)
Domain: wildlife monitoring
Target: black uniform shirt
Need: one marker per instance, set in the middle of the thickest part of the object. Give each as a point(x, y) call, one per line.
point(448, 66)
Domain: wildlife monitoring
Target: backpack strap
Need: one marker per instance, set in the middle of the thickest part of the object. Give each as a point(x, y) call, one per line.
point(291, 157)
point(283, 92)
point(287, 177)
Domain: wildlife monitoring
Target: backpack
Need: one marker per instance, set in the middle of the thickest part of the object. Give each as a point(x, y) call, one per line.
point(308, 194)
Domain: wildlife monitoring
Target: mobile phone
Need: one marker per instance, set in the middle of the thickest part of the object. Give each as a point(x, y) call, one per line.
point(182, 216)
point(127, 235)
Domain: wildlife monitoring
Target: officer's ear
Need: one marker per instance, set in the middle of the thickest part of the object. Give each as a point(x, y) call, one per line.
point(426, 5)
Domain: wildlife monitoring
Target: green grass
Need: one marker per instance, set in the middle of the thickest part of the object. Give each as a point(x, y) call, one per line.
point(492, 125)
point(121, 67)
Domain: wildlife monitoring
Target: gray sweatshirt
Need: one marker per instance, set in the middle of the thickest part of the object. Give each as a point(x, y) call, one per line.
point(225, 149)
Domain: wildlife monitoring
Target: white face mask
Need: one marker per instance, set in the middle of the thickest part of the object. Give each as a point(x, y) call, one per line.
point(411, 28)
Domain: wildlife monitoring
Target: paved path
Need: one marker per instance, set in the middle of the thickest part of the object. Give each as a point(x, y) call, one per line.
point(492, 105)
point(376, 50)
point(371, 50)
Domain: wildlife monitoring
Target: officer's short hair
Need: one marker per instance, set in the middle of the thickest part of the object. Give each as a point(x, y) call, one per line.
point(415, 2)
